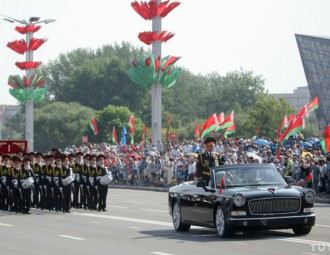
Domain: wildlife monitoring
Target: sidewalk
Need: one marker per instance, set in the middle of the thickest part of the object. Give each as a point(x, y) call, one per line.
point(321, 198)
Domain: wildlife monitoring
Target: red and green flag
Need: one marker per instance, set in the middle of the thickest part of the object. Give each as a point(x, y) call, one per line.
point(313, 105)
point(94, 126)
point(258, 128)
point(144, 136)
point(209, 125)
point(325, 141)
point(230, 130)
point(131, 128)
point(222, 185)
point(196, 131)
point(294, 128)
point(114, 135)
point(303, 112)
point(284, 124)
point(227, 122)
point(309, 179)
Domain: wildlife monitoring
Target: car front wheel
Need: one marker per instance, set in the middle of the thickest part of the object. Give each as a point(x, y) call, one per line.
point(221, 225)
point(176, 216)
point(302, 230)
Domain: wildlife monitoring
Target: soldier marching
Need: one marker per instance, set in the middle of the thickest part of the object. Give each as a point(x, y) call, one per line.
point(55, 182)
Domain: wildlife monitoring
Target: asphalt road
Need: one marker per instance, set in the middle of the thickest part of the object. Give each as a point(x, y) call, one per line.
point(137, 222)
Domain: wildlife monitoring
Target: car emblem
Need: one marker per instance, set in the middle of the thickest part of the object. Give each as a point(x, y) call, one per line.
point(272, 190)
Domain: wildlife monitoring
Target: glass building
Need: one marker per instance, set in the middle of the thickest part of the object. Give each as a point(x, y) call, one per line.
point(315, 56)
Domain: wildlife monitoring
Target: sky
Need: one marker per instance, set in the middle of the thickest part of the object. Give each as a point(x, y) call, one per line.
point(210, 36)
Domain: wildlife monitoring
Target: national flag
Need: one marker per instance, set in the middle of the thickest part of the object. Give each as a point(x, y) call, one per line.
point(94, 126)
point(114, 135)
point(221, 117)
point(123, 135)
point(291, 118)
point(144, 135)
point(309, 180)
point(258, 128)
point(325, 141)
point(284, 124)
point(312, 106)
point(131, 128)
point(209, 125)
point(303, 112)
point(230, 130)
point(228, 121)
point(294, 128)
point(196, 131)
point(222, 185)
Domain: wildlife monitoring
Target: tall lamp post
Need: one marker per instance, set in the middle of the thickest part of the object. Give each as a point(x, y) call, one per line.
point(29, 116)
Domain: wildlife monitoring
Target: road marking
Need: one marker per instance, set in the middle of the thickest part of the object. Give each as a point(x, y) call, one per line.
point(304, 241)
point(323, 226)
point(94, 222)
point(159, 253)
point(134, 228)
point(134, 201)
point(240, 243)
point(6, 225)
point(150, 210)
point(308, 253)
point(159, 223)
point(114, 206)
point(72, 237)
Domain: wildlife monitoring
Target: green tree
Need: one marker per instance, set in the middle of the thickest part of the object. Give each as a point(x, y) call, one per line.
point(59, 124)
point(114, 116)
point(268, 111)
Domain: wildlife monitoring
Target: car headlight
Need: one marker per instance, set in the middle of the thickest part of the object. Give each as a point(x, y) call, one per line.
point(239, 200)
point(310, 196)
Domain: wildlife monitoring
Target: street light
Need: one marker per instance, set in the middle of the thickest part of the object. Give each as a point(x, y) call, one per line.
point(29, 118)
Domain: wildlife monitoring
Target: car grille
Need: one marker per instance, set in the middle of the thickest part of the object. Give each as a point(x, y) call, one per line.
point(274, 206)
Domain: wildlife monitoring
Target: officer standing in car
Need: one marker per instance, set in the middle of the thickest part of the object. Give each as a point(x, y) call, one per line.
point(206, 160)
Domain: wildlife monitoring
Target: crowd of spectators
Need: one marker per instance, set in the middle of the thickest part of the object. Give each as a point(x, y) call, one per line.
point(173, 162)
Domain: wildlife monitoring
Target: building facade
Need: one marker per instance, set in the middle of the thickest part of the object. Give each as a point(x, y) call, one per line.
point(6, 112)
point(315, 56)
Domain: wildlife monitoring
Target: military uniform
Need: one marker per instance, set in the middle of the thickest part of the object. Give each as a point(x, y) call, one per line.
point(5, 195)
point(77, 185)
point(66, 171)
point(25, 192)
point(101, 170)
point(206, 160)
point(93, 193)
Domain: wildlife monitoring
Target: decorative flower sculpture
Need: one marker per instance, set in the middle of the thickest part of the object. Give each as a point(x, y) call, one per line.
point(24, 89)
point(149, 37)
point(150, 10)
point(147, 71)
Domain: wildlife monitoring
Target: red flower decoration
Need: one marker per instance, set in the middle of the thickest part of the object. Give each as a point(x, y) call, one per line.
point(149, 37)
point(36, 43)
point(150, 10)
point(27, 29)
point(18, 46)
point(27, 65)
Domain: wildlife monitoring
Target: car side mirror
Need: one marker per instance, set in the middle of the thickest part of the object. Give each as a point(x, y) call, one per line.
point(201, 184)
point(288, 179)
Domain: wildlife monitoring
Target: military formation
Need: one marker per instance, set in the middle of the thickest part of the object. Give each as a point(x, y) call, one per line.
point(55, 182)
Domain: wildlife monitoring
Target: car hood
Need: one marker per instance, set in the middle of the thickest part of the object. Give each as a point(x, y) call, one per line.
point(265, 191)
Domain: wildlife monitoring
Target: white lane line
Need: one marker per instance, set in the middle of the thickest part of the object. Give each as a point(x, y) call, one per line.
point(114, 206)
point(150, 210)
point(6, 225)
point(240, 243)
point(72, 237)
point(94, 222)
point(134, 228)
point(323, 226)
point(159, 253)
point(134, 201)
point(304, 241)
point(308, 253)
point(159, 223)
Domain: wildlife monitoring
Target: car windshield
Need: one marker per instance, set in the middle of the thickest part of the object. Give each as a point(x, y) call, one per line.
point(249, 175)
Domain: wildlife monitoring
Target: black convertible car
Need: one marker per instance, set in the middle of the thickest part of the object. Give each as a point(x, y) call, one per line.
point(241, 197)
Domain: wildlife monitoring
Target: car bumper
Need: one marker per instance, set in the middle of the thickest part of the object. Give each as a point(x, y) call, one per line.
point(273, 222)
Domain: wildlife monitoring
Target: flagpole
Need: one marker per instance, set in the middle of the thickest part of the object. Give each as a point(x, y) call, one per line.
point(156, 101)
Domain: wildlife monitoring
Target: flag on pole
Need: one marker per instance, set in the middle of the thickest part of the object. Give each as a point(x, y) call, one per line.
point(230, 130)
point(131, 128)
point(209, 125)
point(291, 118)
point(196, 131)
point(228, 121)
point(258, 128)
point(284, 124)
point(222, 185)
point(123, 135)
point(114, 135)
point(294, 128)
point(221, 117)
point(169, 120)
point(312, 106)
point(303, 112)
point(144, 135)
point(325, 141)
point(94, 126)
